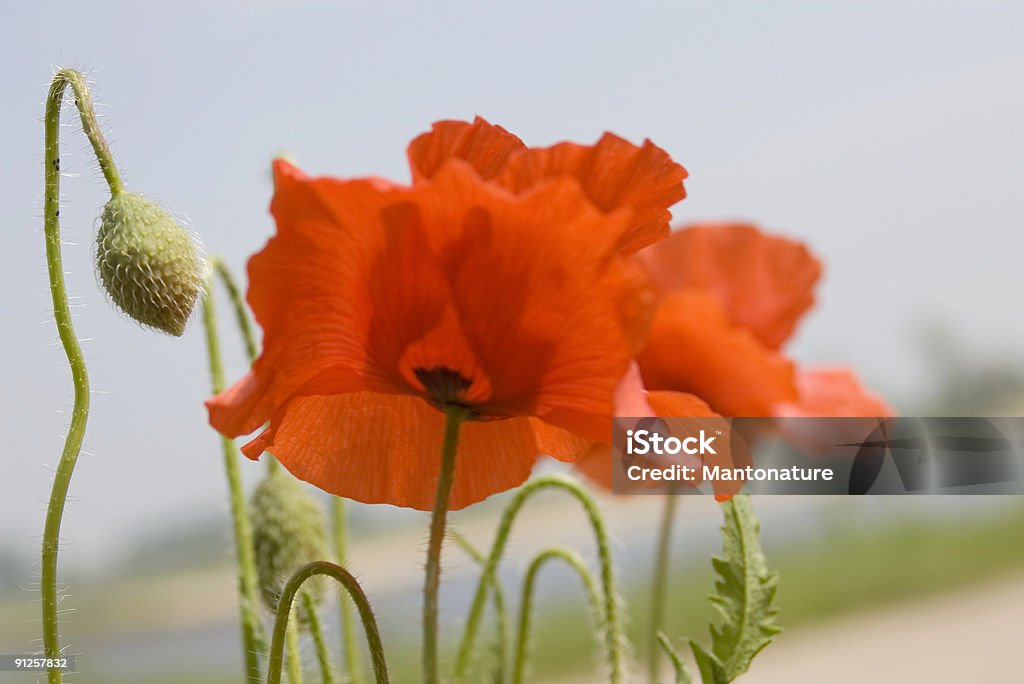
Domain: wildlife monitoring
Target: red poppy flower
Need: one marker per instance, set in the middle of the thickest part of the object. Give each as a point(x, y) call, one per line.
point(381, 303)
point(729, 296)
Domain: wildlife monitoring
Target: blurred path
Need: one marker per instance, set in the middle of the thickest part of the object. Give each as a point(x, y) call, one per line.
point(972, 635)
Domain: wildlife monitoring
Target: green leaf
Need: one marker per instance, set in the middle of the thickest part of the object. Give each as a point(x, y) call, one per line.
point(744, 596)
point(711, 670)
point(682, 676)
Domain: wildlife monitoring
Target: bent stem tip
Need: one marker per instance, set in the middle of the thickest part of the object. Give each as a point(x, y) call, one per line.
point(615, 639)
point(66, 331)
point(351, 585)
point(593, 594)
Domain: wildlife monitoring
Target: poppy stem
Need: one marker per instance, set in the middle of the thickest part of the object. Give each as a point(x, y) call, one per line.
point(66, 331)
point(292, 646)
point(500, 613)
point(238, 304)
point(615, 641)
point(244, 325)
point(252, 636)
point(275, 664)
point(454, 416)
point(90, 126)
point(315, 630)
point(348, 627)
point(590, 587)
point(659, 584)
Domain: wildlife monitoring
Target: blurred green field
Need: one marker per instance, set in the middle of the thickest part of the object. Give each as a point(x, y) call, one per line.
point(851, 568)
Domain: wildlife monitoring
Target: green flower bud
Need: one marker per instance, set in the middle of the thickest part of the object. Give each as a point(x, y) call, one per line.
point(148, 263)
point(288, 532)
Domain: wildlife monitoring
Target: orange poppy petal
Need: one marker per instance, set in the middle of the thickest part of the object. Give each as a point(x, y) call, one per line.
point(833, 392)
point(693, 347)
point(765, 283)
point(550, 320)
point(615, 174)
point(414, 329)
point(558, 443)
point(390, 449)
point(308, 328)
point(241, 408)
point(679, 405)
point(631, 397)
point(597, 464)
point(485, 146)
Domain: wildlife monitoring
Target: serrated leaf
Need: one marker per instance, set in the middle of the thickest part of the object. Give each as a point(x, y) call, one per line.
point(711, 669)
point(744, 597)
point(682, 676)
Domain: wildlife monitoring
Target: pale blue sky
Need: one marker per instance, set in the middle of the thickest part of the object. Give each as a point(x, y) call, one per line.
point(886, 134)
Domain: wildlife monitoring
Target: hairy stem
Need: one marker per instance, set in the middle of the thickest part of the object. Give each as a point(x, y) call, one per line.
point(659, 584)
point(220, 268)
point(500, 612)
point(454, 415)
point(292, 646)
point(576, 562)
point(613, 634)
point(348, 626)
point(238, 304)
point(66, 331)
point(682, 675)
point(90, 125)
point(315, 630)
point(351, 585)
point(252, 637)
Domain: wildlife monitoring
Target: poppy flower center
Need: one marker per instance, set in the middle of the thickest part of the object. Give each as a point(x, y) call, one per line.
point(444, 386)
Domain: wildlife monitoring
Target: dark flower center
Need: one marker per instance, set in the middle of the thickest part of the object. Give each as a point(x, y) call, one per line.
point(444, 386)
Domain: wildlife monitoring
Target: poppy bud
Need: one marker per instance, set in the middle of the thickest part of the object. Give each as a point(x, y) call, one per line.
point(148, 263)
point(288, 532)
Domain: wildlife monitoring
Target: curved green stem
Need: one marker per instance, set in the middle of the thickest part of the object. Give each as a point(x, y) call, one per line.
point(90, 126)
point(244, 325)
point(682, 675)
point(659, 585)
point(453, 415)
point(326, 672)
point(66, 331)
point(348, 625)
point(292, 647)
point(238, 303)
point(351, 585)
point(248, 597)
point(500, 613)
point(576, 562)
point(613, 635)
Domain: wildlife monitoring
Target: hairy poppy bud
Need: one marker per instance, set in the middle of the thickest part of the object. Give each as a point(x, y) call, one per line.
point(288, 532)
point(148, 263)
